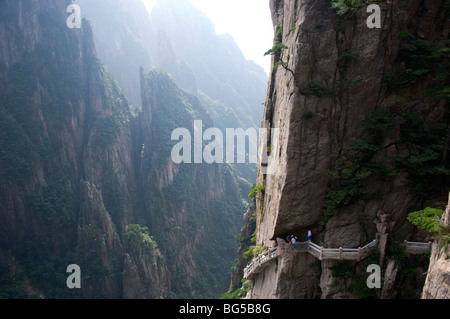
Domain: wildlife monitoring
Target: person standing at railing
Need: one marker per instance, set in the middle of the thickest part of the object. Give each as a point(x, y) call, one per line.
point(288, 239)
point(309, 236)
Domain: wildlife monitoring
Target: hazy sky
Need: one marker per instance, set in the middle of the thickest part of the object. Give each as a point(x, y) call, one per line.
point(249, 22)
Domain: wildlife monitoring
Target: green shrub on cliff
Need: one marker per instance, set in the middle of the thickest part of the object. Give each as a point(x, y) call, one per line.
point(139, 240)
point(349, 175)
point(420, 59)
point(429, 219)
point(256, 190)
point(276, 49)
point(351, 6)
point(443, 234)
point(426, 219)
point(422, 153)
point(254, 251)
point(239, 293)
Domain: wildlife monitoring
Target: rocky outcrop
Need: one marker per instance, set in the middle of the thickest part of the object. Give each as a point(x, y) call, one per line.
point(437, 284)
point(195, 235)
point(68, 195)
point(332, 81)
point(383, 230)
point(390, 280)
point(98, 243)
point(122, 37)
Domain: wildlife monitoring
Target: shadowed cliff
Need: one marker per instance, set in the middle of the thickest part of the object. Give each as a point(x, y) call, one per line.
point(364, 132)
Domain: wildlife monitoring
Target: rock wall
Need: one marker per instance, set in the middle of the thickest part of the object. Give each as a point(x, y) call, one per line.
point(437, 284)
point(332, 81)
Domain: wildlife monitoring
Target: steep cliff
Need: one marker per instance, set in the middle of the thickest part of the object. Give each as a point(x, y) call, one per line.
point(67, 167)
point(86, 181)
point(437, 284)
point(363, 120)
point(194, 210)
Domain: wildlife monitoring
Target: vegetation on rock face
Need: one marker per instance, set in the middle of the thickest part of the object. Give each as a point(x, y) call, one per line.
point(422, 144)
point(254, 251)
point(426, 219)
point(277, 51)
point(256, 190)
point(423, 153)
point(351, 6)
point(239, 293)
point(429, 219)
point(353, 168)
point(139, 240)
point(443, 234)
point(277, 48)
point(422, 149)
point(420, 59)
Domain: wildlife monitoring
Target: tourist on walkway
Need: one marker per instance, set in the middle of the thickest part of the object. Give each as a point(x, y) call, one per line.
point(309, 236)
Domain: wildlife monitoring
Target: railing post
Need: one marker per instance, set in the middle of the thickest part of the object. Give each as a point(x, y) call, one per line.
point(359, 253)
point(340, 253)
point(321, 253)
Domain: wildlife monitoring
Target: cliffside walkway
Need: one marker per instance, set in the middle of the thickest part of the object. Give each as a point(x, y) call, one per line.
point(416, 247)
point(321, 253)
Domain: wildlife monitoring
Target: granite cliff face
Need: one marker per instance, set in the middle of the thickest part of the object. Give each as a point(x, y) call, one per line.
point(357, 108)
point(85, 179)
point(437, 284)
point(67, 170)
point(194, 210)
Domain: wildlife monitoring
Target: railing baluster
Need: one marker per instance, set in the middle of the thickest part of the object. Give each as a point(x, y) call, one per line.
point(324, 253)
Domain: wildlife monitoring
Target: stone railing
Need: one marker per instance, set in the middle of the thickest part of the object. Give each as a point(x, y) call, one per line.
point(341, 253)
point(416, 248)
point(257, 262)
point(302, 247)
point(322, 253)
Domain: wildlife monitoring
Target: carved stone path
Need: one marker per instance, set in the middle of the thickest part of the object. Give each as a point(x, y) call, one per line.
point(321, 253)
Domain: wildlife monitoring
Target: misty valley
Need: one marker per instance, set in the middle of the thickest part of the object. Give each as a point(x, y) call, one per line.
point(144, 154)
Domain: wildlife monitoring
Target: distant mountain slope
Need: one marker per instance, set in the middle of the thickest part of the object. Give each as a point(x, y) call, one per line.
point(221, 70)
point(86, 181)
point(123, 36)
point(181, 40)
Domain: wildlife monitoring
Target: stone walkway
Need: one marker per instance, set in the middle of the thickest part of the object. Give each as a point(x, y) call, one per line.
point(321, 253)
